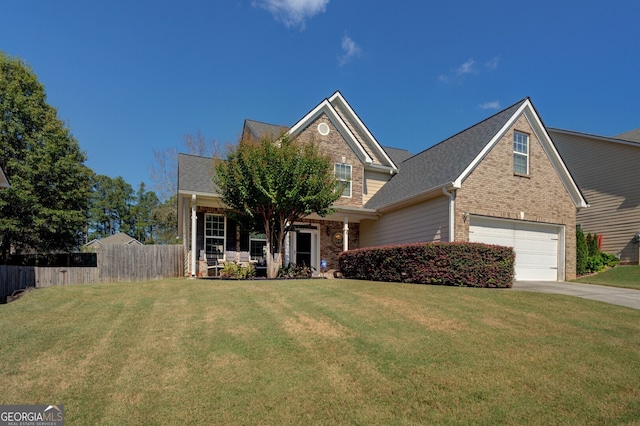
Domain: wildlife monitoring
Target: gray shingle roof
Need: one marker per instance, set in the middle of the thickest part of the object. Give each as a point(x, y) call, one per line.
point(397, 155)
point(116, 239)
point(442, 163)
point(259, 129)
point(195, 174)
point(632, 135)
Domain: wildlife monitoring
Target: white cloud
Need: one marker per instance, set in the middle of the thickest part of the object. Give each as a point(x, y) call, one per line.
point(350, 50)
point(457, 75)
point(466, 68)
point(293, 13)
point(492, 64)
point(490, 105)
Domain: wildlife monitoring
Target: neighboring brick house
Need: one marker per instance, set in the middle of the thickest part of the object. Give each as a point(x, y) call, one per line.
point(500, 181)
point(607, 171)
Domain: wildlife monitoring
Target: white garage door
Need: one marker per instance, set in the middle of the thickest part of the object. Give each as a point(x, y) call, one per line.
point(536, 245)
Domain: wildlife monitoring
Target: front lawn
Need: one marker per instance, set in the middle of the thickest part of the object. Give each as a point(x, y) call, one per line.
point(620, 276)
point(319, 352)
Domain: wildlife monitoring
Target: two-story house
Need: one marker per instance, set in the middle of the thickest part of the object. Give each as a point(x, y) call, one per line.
point(607, 172)
point(501, 182)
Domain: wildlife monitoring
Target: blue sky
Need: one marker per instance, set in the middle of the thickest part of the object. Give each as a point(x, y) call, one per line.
point(131, 76)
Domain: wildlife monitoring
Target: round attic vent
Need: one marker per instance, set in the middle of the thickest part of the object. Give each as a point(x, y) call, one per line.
point(323, 129)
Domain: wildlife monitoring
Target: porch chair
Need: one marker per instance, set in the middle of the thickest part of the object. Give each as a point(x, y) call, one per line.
point(212, 263)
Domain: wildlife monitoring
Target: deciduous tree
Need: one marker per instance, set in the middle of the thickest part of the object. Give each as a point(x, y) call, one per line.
point(46, 207)
point(271, 183)
point(164, 170)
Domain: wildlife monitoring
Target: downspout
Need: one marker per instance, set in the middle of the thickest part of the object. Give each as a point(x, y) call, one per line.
point(194, 229)
point(452, 209)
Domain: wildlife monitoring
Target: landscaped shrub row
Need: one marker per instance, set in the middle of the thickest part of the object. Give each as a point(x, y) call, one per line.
point(458, 264)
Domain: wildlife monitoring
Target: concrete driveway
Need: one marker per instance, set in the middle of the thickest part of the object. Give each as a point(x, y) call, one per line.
point(617, 296)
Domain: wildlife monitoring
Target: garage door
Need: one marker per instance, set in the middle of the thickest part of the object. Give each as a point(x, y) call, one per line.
point(536, 245)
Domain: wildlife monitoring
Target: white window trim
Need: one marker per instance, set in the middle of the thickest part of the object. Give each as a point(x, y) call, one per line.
point(350, 186)
point(524, 154)
point(254, 237)
point(224, 230)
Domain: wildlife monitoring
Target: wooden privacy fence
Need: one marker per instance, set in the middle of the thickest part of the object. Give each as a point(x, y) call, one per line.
point(115, 263)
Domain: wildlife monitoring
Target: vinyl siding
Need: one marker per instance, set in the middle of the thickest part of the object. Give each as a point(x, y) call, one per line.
point(424, 222)
point(373, 181)
point(607, 173)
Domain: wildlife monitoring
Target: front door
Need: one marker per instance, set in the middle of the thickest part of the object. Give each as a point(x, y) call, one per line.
point(306, 248)
point(303, 249)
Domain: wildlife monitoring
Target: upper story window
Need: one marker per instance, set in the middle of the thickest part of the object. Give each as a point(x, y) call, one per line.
point(214, 236)
point(520, 153)
point(343, 175)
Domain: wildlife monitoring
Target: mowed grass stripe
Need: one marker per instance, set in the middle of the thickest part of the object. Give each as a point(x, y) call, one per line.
point(320, 351)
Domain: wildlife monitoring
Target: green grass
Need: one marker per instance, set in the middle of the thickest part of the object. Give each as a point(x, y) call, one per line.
point(620, 276)
point(319, 352)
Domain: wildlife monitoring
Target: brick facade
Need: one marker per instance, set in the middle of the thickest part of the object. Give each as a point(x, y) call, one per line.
point(493, 190)
point(329, 250)
point(335, 146)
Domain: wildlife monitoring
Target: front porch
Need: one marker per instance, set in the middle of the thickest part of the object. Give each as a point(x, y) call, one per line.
point(311, 241)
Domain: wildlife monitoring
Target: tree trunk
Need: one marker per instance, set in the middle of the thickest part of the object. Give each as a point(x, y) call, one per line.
point(273, 267)
point(275, 242)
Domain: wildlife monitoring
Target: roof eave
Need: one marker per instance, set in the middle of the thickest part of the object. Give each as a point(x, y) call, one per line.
point(556, 160)
point(591, 136)
point(419, 197)
point(198, 193)
point(380, 167)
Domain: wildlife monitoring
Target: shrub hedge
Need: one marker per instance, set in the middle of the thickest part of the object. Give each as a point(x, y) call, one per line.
point(455, 264)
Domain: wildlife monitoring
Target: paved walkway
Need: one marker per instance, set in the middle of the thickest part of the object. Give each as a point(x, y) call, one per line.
point(617, 296)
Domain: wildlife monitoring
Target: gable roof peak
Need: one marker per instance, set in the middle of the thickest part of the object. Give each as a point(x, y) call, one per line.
point(352, 129)
point(448, 163)
point(508, 111)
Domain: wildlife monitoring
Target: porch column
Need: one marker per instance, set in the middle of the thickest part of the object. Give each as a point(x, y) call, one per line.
point(287, 248)
point(194, 230)
point(345, 234)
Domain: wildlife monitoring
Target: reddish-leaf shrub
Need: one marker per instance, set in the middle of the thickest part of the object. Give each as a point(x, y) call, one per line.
point(457, 264)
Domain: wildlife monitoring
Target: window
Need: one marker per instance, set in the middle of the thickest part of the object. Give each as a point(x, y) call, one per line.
point(258, 246)
point(343, 174)
point(520, 153)
point(214, 236)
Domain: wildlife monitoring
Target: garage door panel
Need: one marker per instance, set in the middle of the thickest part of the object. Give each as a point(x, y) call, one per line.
point(500, 235)
point(535, 245)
